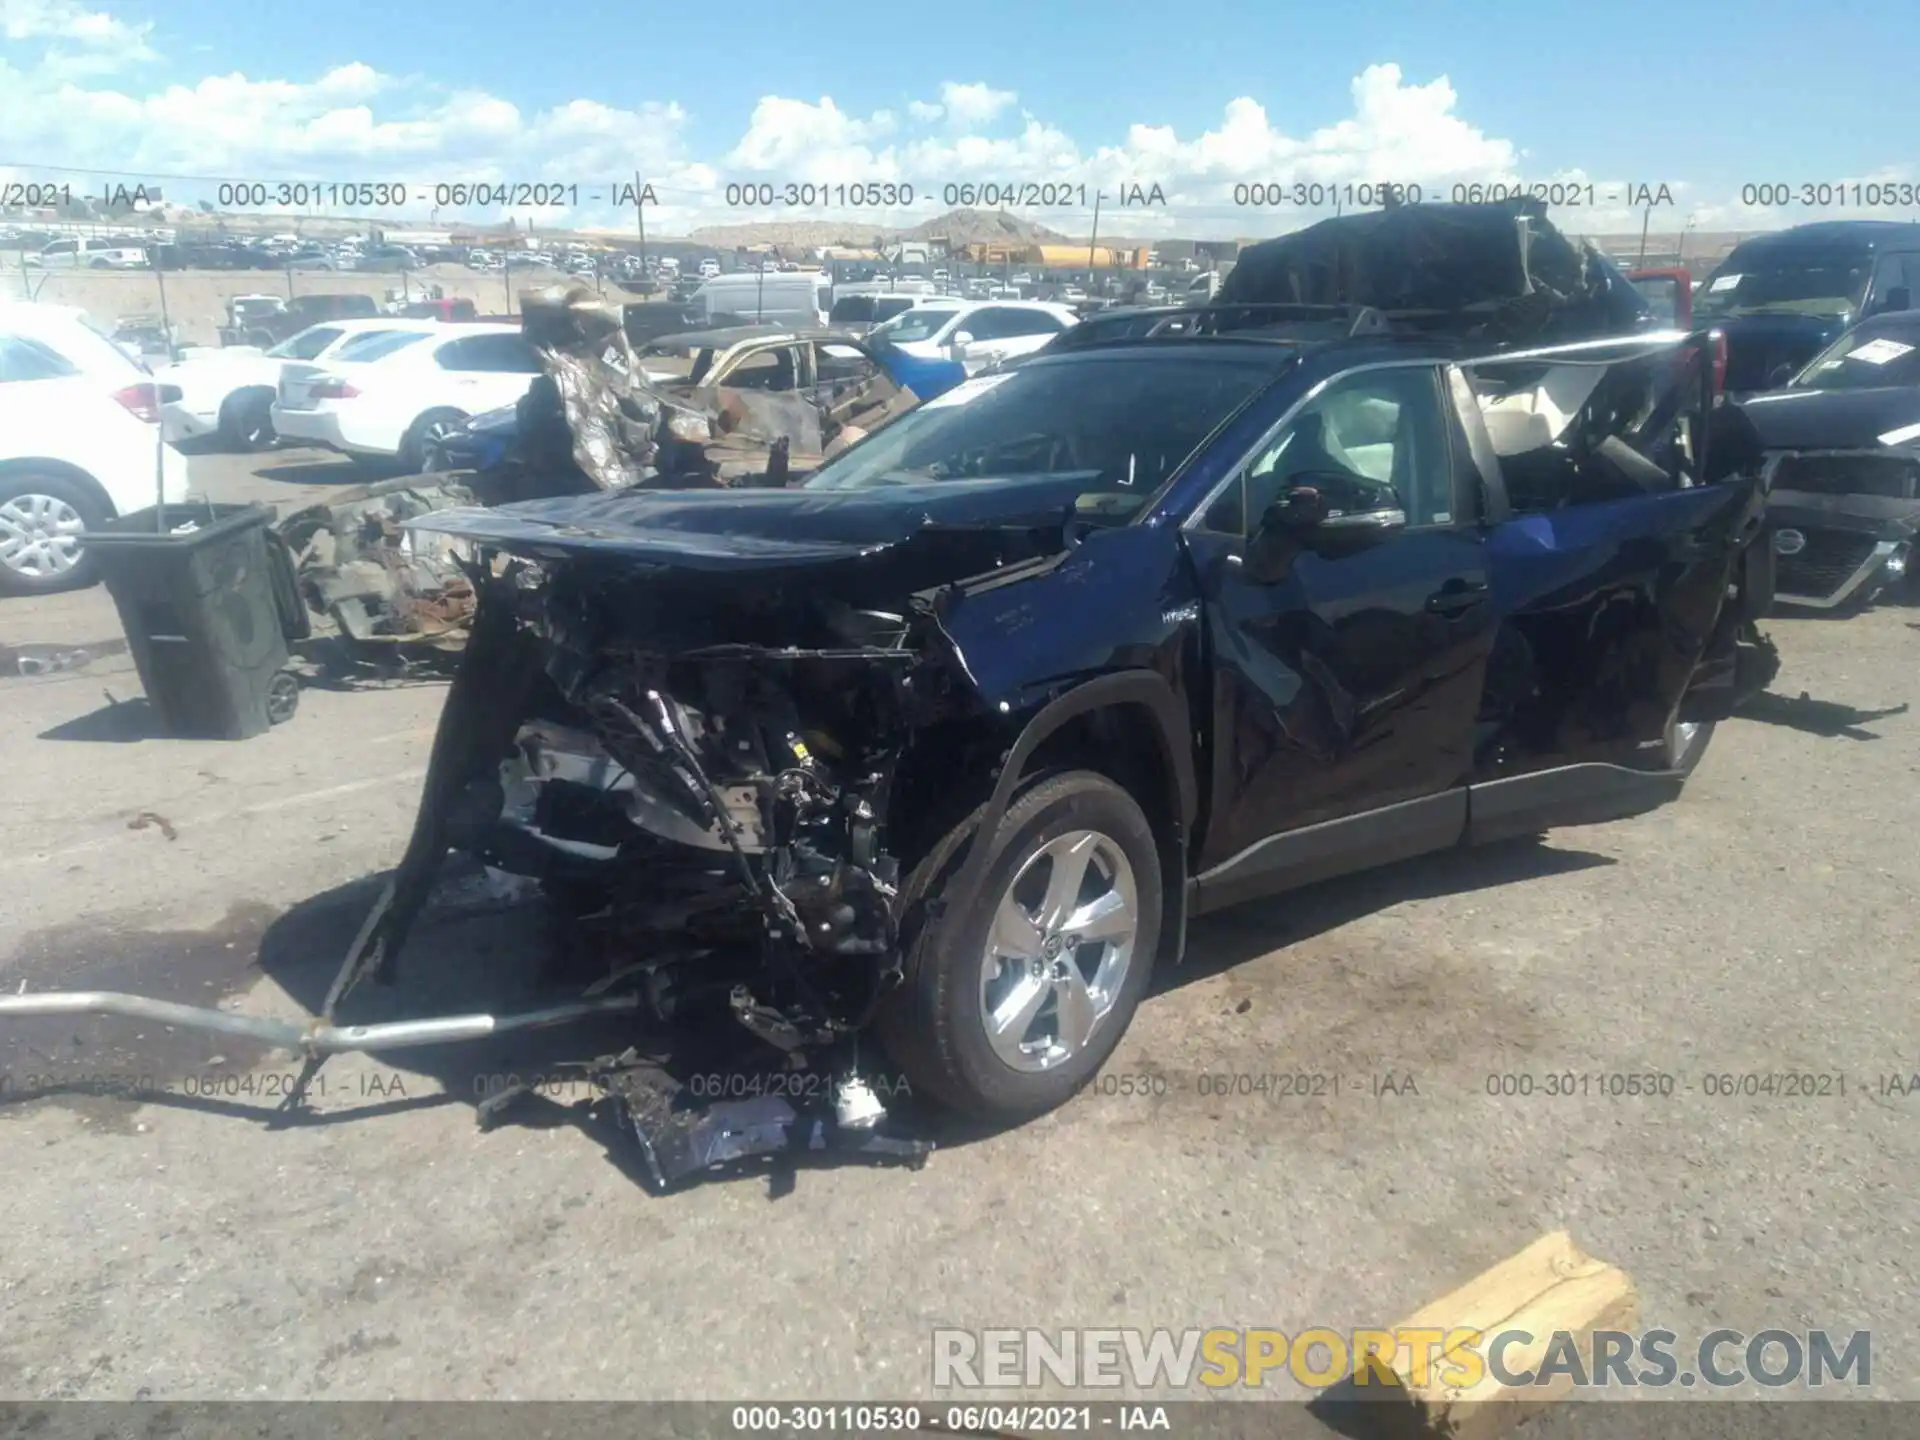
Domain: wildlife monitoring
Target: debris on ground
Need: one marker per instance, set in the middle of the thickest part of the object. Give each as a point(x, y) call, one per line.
point(1550, 1289)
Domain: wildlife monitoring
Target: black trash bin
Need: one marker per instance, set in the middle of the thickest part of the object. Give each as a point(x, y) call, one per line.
point(206, 613)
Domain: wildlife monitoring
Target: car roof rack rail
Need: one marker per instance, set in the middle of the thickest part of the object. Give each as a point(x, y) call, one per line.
point(1216, 318)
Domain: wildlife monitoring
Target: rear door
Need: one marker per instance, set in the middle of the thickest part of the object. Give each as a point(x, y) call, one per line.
point(1001, 332)
point(1350, 682)
point(1613, 566)
point(56, 403)
point(485, 372)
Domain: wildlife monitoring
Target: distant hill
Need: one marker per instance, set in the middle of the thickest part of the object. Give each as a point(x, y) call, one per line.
point(959, 227)
point(972, 227)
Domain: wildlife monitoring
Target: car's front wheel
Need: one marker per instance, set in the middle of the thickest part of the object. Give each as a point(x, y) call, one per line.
point(42, 516)
point(1013, 1000)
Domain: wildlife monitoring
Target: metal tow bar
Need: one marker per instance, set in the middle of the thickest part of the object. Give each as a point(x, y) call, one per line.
point(314, 1039)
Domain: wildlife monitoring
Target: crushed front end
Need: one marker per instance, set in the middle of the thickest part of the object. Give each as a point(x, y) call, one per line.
point(689, 738)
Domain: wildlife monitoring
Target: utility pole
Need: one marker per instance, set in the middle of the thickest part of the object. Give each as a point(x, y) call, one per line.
point(1645, 220)
point(1093, 238)
point(640, 214)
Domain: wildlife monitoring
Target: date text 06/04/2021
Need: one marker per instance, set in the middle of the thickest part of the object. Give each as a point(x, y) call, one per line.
point(207, 1085)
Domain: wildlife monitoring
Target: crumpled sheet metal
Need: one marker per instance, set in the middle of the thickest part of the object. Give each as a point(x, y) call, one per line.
point(364, 575)
point(612, 414)
point(366, 578)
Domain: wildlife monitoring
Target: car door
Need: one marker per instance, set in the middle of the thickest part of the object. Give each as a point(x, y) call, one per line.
point(987, 330)
point(1001, 332)
point(845, 377)
point(1347, 674)
point(55, 405)
point(1623, 570)
point(771, 367)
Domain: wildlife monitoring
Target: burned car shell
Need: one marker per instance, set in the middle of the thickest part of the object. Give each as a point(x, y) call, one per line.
point(1844, 467)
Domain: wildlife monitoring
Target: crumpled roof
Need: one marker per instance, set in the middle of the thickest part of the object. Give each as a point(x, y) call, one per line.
point(1438, 259)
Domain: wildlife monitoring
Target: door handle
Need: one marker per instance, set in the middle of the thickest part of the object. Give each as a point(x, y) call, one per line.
point(1455, 596)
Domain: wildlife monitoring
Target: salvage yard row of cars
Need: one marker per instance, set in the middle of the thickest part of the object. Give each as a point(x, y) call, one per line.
point(830, 710)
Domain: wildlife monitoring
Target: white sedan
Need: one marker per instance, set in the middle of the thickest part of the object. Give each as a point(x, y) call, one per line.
point(978, 334)
point(79, 444)
point(230, 392)
point(390, 395)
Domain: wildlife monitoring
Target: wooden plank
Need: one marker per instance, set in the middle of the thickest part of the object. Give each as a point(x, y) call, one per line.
point(1552, 1287)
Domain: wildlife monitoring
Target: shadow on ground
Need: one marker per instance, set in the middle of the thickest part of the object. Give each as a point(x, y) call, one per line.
point(1825, 718)
point(468, 956)
point(118, 722)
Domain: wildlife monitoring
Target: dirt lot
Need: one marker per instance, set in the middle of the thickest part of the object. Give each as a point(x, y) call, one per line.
point(185, 1247)
point(196, 299)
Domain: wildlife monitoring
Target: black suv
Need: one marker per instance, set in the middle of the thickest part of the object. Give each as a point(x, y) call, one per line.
point(951, 739)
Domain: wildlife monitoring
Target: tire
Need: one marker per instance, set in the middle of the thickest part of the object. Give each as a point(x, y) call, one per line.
point(35, 508)
point(934, 1026)
point(1687, 743)
point(246, 421)
point(413, 449)
point(283, 697)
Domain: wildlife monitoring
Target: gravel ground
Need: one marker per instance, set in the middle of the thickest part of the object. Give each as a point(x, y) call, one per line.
point(187, 1248)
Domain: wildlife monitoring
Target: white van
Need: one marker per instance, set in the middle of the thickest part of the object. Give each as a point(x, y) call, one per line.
point(798, 298)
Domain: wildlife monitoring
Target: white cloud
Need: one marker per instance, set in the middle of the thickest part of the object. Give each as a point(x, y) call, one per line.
point(974, 104)
point(100, 41)
point(61, 104)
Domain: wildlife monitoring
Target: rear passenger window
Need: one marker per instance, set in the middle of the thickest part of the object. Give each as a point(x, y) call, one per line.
point(377, 344)
point(23, 359)
point(491, 354)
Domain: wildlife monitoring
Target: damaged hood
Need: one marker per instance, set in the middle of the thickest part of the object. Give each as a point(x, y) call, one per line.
point(763, 529)
point(1833, 419)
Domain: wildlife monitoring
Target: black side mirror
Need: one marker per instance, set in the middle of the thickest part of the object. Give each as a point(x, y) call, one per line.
point(1307, 517)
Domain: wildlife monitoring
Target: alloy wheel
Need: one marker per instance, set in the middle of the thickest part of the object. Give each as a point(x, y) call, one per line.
point(39, 536)
point(1062, 940)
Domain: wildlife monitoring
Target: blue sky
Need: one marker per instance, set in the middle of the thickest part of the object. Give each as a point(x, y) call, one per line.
point(1706, 98)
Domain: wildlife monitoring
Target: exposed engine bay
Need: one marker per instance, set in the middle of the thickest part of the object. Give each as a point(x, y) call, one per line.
point(747, 784)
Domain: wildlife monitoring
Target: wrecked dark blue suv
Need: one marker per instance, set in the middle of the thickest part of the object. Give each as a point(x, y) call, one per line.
point(950, 740)
point(946, 743)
